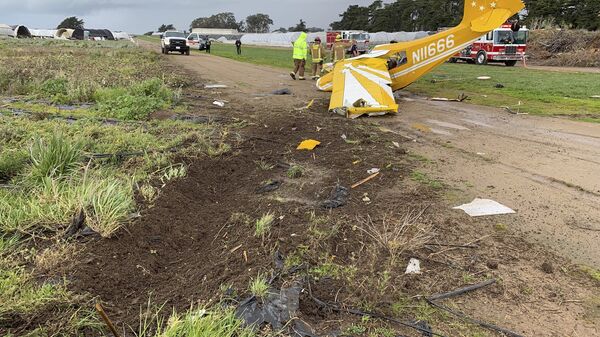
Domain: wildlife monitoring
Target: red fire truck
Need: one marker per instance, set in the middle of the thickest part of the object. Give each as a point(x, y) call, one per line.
point(506, 44)
point(361, 38)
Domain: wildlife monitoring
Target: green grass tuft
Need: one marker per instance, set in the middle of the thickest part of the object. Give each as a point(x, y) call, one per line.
point(263, 225)
point(53, 158)
point(259, 286)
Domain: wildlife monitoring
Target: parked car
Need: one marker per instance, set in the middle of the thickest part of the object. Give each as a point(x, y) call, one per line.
point(195, 41)
point(174, 41)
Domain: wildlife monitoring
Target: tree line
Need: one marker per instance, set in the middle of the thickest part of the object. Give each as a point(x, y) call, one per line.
point(256, 23)
point(427, 15)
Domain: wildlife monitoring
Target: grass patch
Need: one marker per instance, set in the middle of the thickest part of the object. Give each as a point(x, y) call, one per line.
point(19, 293)
point(541, 92)
point(196, 322)
point(423, 178)
point(259, 286)
point(295, 171)
point(263, 225)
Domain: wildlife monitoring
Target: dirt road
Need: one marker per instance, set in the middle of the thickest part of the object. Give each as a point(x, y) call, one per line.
point(544, 168)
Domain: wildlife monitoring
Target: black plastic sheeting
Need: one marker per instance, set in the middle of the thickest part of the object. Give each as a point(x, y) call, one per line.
point(279, 308)
point(105, 34)
point(338, 197)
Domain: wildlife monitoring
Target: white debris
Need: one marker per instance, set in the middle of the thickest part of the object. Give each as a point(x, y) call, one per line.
point(396, 144)
point(484, 78)
point(215, 86)
point(373, 170)
point(219, 103)
point(414, 267)
point(595, 96)
point(482, 207)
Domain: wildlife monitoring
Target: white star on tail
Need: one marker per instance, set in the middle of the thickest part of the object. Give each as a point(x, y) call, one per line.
point(481, 8)
point(493, 5)
point(473, 4)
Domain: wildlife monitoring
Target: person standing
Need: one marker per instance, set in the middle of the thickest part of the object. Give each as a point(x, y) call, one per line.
point(317, 54)
point(338, 49)
point(299, 55)
point(238, 46)
point(207, 45)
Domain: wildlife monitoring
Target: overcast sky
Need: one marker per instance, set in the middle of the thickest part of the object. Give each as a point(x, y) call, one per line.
point(139, 16)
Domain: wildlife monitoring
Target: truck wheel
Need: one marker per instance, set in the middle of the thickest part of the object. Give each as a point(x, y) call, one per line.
point(187, 52)
point(510, 63)
point(162, 50)
point(481, 58)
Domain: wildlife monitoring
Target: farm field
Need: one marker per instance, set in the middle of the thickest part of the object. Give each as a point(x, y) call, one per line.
point(122, 183)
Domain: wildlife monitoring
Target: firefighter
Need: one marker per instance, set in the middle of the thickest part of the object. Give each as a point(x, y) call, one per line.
point(317, 54)
point(338, 49)
point(299, 55)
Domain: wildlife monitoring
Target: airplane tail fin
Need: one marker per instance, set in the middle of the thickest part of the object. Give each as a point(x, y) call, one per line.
point(486, 15)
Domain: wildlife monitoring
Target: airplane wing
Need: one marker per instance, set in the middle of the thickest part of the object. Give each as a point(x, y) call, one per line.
point(364, 84)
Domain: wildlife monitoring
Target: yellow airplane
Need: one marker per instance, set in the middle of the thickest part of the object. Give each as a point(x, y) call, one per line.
point(365, 84)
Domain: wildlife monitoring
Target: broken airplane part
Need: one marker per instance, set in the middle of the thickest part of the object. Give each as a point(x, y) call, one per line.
point(364, 84)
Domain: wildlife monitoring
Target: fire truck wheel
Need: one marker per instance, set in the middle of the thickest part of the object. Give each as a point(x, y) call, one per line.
point(481, 58)
point(510, 63)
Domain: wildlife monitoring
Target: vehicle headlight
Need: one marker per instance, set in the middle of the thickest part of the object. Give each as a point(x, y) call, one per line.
point(167, 41)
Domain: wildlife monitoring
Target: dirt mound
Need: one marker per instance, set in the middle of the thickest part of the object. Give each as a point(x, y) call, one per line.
point(198, 235)
point(568, 48)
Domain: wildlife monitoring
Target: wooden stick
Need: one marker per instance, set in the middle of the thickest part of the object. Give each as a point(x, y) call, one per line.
point(106, 320)
point(365, 180)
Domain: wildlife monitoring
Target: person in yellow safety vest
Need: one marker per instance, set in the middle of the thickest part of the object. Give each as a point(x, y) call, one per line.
point(300, 51)
point(318, 55)
point(338, 49)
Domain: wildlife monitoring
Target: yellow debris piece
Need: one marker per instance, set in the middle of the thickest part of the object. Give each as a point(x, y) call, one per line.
point(308, 144)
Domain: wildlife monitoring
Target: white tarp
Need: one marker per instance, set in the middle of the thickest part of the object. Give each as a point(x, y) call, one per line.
point(6, 31)
point(385, 37)
point(43, 33)
point(286, 39)
point(482, 207)
point(278, 39)
point(121, 36)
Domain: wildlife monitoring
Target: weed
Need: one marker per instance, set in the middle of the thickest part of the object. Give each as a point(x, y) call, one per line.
point(328, 268)
point(53, 158)
point(423, 178)
point(263, 225)
point(12, 162)
point(396, 236)
point(148, 192)
point(201, 322)
point(135, 103)
point(20, 294)
point(264, 165)
point(295, 171)
point(259, 287)
point(591, 272)
point(173, 172)
point(501, 227)
point(355, 329)
point(383, 332)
